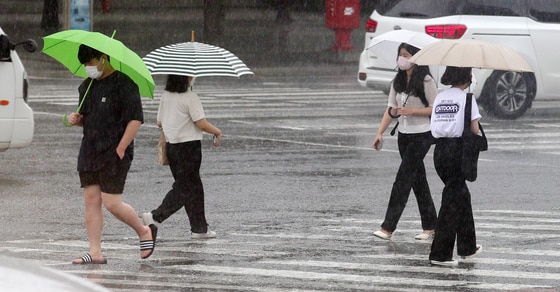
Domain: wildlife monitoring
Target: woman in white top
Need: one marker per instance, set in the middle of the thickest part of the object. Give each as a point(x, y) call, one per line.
point(455, 218)
point(182, 118)
point(411, 97)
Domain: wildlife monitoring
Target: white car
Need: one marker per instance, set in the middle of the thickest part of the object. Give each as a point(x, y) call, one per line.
point(20, 275)
point(16, 117)
point(531, 27)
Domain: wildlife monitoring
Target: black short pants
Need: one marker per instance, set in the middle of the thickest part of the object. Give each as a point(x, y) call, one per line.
point(110, 178)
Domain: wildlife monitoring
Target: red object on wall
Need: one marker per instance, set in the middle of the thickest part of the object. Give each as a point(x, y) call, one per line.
point(342, 16)
point(105, 6)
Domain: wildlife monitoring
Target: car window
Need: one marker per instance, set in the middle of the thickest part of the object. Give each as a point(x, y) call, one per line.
point(544, 10)
point(494, 7)
point(439, 8)
point(418, 8)
point(4, 48)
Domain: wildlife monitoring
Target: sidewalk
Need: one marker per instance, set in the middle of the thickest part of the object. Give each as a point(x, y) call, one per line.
point(301, 47)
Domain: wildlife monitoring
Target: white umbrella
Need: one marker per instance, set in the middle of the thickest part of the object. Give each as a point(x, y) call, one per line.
point(195, 59)
point(471, 53)
point(386, 44)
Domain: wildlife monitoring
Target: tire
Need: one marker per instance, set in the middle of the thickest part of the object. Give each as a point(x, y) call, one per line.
point(508, 94)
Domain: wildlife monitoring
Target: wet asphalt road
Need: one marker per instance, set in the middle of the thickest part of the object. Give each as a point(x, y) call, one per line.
point(294, 193)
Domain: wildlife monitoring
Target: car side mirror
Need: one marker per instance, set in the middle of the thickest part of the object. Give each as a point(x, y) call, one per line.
point(29, 45)
point(6, 46)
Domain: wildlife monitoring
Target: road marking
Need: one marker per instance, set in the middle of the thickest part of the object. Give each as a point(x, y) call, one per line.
point(412, 269)
point(332, 259)
point(315, 275)
point(239, 103)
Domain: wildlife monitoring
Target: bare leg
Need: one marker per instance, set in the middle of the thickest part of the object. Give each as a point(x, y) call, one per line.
point(125, 213)
point(94, 222)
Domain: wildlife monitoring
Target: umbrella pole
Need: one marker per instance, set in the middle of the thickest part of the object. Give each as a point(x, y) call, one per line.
point(65, 117)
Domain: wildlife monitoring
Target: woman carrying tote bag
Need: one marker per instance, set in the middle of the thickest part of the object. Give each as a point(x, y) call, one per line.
point(182, 118)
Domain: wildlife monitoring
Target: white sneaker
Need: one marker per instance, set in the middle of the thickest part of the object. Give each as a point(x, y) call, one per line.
point(478, 250)
point(209, 234)
point(148, 219)
point(425, 236)
point(382, 235)
point(451, 263)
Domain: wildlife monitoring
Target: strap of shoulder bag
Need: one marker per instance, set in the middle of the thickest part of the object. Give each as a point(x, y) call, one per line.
point(468, 113)
point(468, 110)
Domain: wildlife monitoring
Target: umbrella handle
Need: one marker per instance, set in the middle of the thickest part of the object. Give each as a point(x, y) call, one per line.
point(391, 114)
point(64, 118)
point(65, 121)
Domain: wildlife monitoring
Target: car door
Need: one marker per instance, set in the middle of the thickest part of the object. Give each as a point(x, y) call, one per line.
point(544, 27)
point(7, 102)
point(16, 117)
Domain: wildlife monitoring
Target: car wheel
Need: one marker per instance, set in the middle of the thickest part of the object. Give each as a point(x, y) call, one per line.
point(509, 94)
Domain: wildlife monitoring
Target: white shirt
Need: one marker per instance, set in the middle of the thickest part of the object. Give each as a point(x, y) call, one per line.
point(414, 124)
point(177, 113)
point(448, 113)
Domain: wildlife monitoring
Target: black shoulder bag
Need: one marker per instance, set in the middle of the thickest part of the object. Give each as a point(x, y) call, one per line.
point(472, 144)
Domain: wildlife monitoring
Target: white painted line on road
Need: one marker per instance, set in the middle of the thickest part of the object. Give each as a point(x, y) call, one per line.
point(49, 114)
point(524, 251)
point(310, 143)
point(545, 125)
point(317, 276)
point(403, 234)
point(65, 103)
point(300, 236)
point(527, 147)
point(501, 226)
point(482, 259)
point(158, 282)
point(52, 99)
point(221, 251)
point(242, 122)
point(288, 95)
point(505, 135)
point(291, 128)
point(519, 219)
point(513, 235)
point(521, 212)
point(417, 269)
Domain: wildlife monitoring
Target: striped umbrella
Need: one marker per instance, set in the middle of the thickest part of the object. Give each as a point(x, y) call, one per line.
point(195, 59)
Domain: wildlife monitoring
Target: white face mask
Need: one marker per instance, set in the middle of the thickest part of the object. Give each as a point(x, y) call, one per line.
point(92, 71)
point(403, 63)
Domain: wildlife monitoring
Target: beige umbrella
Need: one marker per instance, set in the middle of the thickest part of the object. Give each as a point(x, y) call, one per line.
point(471, 53)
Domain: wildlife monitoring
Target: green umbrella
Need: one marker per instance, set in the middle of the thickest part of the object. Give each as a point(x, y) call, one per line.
point(63, 46)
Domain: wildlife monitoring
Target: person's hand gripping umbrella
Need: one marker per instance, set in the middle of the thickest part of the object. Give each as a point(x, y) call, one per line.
point(63, 46)
point(65, 116)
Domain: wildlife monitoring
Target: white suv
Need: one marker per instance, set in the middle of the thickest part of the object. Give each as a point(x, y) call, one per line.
point(16, 117)
point(531, 27)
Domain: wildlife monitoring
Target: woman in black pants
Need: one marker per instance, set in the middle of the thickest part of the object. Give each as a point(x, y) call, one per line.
point(182, 118)
point(412, 94)
point(455, 218)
